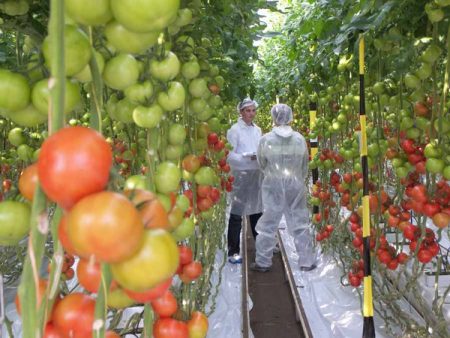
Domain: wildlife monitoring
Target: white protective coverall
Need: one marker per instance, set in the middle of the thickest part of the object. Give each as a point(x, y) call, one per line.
point(283, 157)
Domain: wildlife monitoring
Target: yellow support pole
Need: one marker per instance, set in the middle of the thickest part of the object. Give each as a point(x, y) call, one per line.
point(368, 327)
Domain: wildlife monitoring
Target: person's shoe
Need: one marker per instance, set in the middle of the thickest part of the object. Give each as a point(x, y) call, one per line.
point(235, 259)
point(256, 267)
point(308, 268)
point(276, 249)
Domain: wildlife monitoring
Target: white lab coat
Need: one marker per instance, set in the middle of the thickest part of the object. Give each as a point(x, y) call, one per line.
point(246, 194)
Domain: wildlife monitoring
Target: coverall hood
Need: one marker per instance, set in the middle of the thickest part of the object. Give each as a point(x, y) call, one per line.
point(283, 131)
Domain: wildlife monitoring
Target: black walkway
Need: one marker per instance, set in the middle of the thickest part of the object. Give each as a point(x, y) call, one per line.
point(273, 313)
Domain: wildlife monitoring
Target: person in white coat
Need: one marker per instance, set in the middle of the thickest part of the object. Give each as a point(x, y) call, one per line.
point(244, 137)
point(283, 157)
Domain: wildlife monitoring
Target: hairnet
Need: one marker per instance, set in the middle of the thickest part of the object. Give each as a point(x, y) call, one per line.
point(281, 114)
point(246, 103)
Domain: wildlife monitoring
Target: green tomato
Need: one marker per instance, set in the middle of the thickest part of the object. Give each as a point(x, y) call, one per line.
point(411, 81)
point(145, 15)
point(424, 71)
point(27, 117)
point(174, 98)
point(373, 150)
point(40, 96)
point(214, 124)
point(432, 151)
point(446, 172)
point(378, 88)
point(220, 81)
point(139, 92)
point(197, 105)
point(182, 202)
point(199, 88)
point(174, 152)
point(177, 134)
point(190, 70)
point(118, 299)
point(328, 164)
point(184, 17)
point(25, 152)
point(15, 7)
point(14, 222)
point(165, 201)
point(85, 74)
point(397, 162)
point(126, 41)
point(206, 176)
point(434, 14)
point(435, 165)
point(413, 133)
point(167, 69)
point(15, 91)
point(205, 114)
point(184, 230)
point(148, 117)
point(167, 177)
point(77, 50)
point(215, 101)
point(16, 137)
point(406, 123)
point(137, 182)
point(214, 70)
point(88, 12)
point(445, 125)
point(121, 72)
point(442, 3)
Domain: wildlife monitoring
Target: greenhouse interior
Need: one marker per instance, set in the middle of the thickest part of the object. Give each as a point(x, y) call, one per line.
point(224, 169)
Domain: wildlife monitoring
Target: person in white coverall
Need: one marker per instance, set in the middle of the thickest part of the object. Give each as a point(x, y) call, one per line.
point(244, 136)
point(283, 158)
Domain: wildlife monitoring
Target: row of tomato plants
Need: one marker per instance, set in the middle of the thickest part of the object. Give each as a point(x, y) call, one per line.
point(409, 169)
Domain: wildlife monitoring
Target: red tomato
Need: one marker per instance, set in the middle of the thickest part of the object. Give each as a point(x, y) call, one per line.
point(166, 305)
point(203, 191)
point(151, 294)
point(68, 274)
point(197, 325)
point(215, 195)
point(73, 163)
point(185, 254)
point(191, 163)
point(89, 274)
point(27, 181)
point(424, 256)
point(50, 331)
point(106, 225)
point(170, 328)
point(111, 334)
point(74, 315)
point(192, 270)
point(204, 204)
point(402, 258)
point(63, 235)
point(212, 138)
